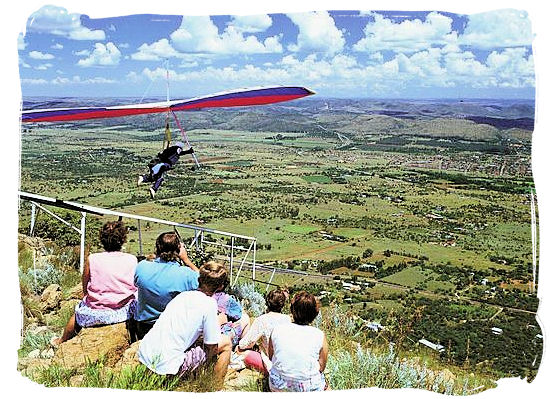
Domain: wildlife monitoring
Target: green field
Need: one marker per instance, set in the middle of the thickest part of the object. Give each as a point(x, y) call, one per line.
point(304, 201)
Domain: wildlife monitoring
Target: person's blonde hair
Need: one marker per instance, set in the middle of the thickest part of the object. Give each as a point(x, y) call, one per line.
point(212, 276)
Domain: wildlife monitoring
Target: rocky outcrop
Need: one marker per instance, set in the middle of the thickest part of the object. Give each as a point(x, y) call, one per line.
point(237, 380)
point(107, 343)
point(129, 358)
point(51, 298)
point(75, 292)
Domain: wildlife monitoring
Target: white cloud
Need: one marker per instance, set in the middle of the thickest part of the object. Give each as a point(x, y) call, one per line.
point(512, 67)
point(407, 36)
point(155, 51)
point(464, 66)
point(57, 21)
point(251, 23)
point(124, 45)
point(82, 53)
point(134, 77)
point(21, 44)
point(57, 46)
point(43, 67)
point(23, 63)
point(79, 81)
point(34, 81)
point(318, 33)
point(103, 54)
point(427, 69)
point(499, 28)
point(37, 55)
point(189, 64)
point(201, 35)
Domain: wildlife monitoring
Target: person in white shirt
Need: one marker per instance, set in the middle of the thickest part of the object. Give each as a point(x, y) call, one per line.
point(260, 331)
point(187, 333)
point(298, 351)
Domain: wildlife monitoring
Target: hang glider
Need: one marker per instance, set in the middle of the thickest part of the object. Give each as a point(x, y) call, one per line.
point(234, 98)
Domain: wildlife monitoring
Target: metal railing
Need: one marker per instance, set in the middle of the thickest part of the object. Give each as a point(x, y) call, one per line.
point(238, 243)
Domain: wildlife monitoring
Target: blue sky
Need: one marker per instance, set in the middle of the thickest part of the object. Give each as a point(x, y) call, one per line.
point(373, 54)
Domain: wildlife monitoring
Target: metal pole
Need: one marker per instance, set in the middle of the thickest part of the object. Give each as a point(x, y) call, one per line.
point(34, 265)
point(82, 240)
point(57, 218)
point(139, 238)
point(270, 280)
point(33, 218)
point(196, 240)
point(243, 261)
point(254, 265)
point(231, 261)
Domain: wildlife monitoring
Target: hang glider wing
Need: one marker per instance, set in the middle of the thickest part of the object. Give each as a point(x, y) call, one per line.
point(234, 98)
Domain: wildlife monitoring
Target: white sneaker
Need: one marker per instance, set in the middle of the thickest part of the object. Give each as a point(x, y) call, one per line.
point(153, 192)
point(140, 180)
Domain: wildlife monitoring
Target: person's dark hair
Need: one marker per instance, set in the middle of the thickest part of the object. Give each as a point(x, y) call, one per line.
point(112, 235)
point(167, 246)
point(304, 308)
point(275, 300)
point(212, 276)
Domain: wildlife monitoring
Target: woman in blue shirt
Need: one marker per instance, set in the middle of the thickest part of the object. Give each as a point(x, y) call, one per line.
point(158, 281)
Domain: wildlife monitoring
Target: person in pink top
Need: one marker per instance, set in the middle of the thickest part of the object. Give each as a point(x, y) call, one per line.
point(107, 284)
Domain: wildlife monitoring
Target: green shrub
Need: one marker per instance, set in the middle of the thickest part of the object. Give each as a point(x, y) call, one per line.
point(38, 279)
point(253, 302)
point(32, 341)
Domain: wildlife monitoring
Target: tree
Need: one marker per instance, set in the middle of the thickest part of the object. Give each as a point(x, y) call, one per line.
point(367, 253)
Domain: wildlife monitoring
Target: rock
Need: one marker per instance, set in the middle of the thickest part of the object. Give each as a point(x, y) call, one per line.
point(47, 353)
point(31, 367)
point(107, 343)
point(35, 354)
point(51, 297)
point(40, 330)
point(70, 303)
point(76, 292)
point(448, 375)
point(76, 380)
point(129, 358)
point(236, 381)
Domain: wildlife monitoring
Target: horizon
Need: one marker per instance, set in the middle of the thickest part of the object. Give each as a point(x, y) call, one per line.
point(306, 99)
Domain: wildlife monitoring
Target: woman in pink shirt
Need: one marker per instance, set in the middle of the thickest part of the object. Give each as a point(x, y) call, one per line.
point(107, 284)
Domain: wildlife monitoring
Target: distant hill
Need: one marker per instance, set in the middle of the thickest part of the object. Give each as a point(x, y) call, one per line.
point(482, 120)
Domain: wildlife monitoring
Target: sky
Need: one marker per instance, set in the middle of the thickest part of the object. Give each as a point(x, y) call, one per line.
point(371, 54)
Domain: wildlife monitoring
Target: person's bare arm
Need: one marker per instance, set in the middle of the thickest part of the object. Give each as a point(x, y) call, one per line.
point(270, 349)
point(323, 355)
point(185, 259)
point(85, 275)
point(211, 352)
point(222, 319)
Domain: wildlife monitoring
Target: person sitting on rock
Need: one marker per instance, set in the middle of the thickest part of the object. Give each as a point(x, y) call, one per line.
point(163, 162)
point(260, 331)
point(298, 351)
point(158, 281)
point(187, 334)
point(107, 284)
